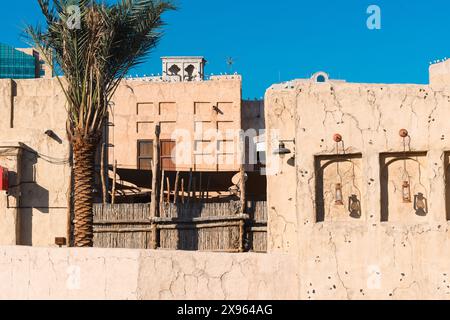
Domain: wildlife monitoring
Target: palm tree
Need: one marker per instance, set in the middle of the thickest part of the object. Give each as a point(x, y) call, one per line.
point(94, 54)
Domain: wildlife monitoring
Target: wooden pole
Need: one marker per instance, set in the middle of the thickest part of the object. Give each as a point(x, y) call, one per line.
point(177, 180)
point(200, 188)
point(154, 241)
point(103, 173)
point(241, 236)
point(182, 190)
point(113, 201)
point(162, 189)
point(242, 188)
point(207, 187)
point(194, 189)
point(155, 172)
point(189, 186)
point(168, 190)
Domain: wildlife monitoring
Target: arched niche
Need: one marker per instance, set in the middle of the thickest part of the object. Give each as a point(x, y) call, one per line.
point(447, 184)
point(190, 72)
point(174, 70)
point(345, 171)
point(395, 170)
point(320, 77)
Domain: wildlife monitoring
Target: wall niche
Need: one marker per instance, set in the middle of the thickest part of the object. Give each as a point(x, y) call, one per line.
point(338, 187)
point(404, 187)
point(447, 184)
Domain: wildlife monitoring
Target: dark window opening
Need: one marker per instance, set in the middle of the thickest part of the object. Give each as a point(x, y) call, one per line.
point(145, 154)
point(321, 78)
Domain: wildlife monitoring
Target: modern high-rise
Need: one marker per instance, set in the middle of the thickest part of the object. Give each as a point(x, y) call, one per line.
point(26, 63)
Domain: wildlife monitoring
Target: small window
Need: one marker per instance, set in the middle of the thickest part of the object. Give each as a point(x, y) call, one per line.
point(174, 70)
point(145, 154)
point(321, 78)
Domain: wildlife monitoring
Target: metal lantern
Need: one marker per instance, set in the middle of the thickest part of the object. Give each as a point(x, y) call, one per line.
point(354, 206)
point(406, 192)
point(420, 204)
point(282, 150)
point(338, 198)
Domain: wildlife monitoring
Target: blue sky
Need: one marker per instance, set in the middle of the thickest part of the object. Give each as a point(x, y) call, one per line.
point(286, 39)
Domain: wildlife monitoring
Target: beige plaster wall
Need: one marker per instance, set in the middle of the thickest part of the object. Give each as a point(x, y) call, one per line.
point(188, 106)
point(46, 273)
point(36, 206)
point(281, 175)
point(440, 76)
point(367, 257)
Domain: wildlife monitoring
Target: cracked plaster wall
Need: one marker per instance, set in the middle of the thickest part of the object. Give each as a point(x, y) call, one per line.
point(402, 258)
point(35, 212)
point(51, 273)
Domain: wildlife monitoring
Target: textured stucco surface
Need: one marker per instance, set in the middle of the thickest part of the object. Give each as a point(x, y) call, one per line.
point(199, 116)
point(35, 210)
point(53, 273)
point(367, 257)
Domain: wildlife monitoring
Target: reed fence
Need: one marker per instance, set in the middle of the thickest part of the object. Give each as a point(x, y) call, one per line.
point(196, 226)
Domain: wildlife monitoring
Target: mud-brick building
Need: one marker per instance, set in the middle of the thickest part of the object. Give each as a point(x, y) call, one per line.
point(201, 121)
point(36, 154)
point(362, 196)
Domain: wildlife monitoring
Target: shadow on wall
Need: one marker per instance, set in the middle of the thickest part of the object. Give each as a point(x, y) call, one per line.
point(338, 187)
point(447, 184)
point(33, 196)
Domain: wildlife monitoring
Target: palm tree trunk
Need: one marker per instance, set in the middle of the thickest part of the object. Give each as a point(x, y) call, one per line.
point(84, 170)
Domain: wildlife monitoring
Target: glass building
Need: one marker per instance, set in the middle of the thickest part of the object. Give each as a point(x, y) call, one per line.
point(15, 64)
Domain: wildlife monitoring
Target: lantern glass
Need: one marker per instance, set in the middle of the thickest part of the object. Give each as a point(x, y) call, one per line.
point(406, 192)
point(339, 200)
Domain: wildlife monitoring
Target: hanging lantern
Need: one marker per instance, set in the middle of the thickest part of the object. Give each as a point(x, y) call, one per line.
point(338, 198)
point(406, 192)
point(354, 206)
point(282, 150)
point(420, 204)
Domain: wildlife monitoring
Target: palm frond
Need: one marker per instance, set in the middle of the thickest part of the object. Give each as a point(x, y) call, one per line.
point(95, 57)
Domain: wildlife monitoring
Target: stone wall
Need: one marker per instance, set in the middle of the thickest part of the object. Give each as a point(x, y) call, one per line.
point(53, 273)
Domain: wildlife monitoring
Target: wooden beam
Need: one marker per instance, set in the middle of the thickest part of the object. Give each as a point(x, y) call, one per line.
point(189, 186)
point(168, 189)
point(154, 235)
point(207, 187)
point(113, 200)
point(155, 172)
point(194, 189)
point(182, 191)
point(161, 198)
point(242, 236)
point(177, 181)
point(103, 173)
point(243, 191)
point(200, 187)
